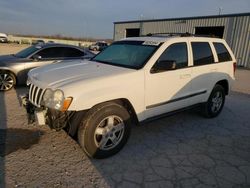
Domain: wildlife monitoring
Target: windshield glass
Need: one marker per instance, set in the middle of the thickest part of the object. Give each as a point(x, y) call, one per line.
point(26, 52)
point(130, 54)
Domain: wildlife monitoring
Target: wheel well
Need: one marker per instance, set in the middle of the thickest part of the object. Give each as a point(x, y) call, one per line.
point(74, 122)
point(126, 103)
point(224, 84)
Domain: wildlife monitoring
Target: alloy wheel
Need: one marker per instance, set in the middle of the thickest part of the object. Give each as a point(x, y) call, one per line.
point(109, 132)
point(217, 101)
point(6, 81)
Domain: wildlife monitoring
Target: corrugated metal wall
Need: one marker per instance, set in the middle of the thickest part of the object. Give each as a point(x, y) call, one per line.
point(236, 32)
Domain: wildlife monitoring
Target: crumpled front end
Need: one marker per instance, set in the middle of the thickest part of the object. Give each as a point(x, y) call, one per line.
point(36, 112)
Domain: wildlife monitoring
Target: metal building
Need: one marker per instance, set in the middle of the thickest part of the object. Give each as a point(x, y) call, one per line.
point(234, 28)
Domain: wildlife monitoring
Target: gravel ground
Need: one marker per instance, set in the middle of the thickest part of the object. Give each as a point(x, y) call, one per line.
point(185, 150)
point(11, 48)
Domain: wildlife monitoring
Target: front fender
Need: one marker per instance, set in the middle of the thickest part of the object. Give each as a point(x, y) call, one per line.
point(96, 93)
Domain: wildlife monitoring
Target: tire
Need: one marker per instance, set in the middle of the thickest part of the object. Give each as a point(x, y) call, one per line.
point(7, 80)
point(105, 130)
point(215, 103)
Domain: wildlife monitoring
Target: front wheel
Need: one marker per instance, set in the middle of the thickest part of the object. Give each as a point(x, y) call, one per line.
point(105, 130)
point(215, 103)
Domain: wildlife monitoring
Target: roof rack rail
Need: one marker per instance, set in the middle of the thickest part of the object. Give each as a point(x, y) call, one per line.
point(169, 34)
point(187, 34)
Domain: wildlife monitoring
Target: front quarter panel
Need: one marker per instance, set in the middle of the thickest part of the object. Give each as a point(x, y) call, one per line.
point(90, 93)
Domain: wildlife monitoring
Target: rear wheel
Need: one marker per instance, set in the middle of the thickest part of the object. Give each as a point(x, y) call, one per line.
point(105, 130)
point(7, 80)
point(215, 103)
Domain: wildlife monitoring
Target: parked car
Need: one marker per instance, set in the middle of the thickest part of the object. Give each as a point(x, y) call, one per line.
point(133, 80)
point(3, 38)
point(14, 68)
point(38, 42)
point(98, 46)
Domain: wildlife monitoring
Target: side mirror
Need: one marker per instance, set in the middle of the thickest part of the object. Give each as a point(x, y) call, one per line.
point(163, 65)
point(36, 57)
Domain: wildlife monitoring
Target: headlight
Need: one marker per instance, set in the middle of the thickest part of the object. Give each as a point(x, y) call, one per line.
point(56, 100)
point(48, 95)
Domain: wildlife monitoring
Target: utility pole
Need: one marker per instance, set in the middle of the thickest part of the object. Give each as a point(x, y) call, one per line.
point(220, 10)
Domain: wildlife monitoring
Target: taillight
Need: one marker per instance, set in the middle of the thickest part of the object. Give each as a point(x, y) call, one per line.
point(234, 67)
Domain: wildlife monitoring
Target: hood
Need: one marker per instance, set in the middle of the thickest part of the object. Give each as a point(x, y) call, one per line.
point(5, 59)
point(63, 73)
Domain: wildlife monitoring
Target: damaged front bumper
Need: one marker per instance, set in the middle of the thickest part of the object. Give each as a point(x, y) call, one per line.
point(44, 116)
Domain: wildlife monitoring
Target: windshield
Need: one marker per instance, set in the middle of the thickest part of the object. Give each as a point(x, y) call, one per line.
point(130, 54)
point(27, 52)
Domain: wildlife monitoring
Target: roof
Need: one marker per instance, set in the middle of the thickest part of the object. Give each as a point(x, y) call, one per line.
point(160, 39)
point(57, 45)
point(3, 35)
point(154, 39)
point(186, 18)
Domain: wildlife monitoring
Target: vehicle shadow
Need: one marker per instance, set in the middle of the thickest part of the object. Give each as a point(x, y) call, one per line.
point(3, 125)
point(169, 149)
point(151, 142)
point(14, 139)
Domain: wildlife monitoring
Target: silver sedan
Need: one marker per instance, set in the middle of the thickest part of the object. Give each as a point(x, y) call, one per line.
point(14, 68)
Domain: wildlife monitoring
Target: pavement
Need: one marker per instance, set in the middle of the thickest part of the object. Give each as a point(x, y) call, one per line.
point(242, 81)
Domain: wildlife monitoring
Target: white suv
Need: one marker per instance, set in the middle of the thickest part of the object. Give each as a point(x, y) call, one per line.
point(133, 80)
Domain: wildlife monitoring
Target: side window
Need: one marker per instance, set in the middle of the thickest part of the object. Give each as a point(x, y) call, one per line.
point(223, 54)
point(175, 53)
point(72, 52)
point(45, 53)
point(53, 52)
point(202, 53)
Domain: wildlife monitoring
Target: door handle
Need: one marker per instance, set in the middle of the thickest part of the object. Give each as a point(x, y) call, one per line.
point(214, 70)
point(183, 76)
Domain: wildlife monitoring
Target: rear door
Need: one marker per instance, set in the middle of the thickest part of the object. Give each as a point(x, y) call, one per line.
point(203, 70)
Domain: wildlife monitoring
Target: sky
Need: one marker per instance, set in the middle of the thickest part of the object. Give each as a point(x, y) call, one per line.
point(94, 18)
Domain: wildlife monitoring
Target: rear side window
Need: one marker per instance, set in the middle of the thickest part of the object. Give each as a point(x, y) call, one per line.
point(202, 53)
point(223, 54)
point(72, 52)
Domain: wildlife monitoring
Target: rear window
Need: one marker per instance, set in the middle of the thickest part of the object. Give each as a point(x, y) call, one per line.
point(202, 53)
point(222, 52)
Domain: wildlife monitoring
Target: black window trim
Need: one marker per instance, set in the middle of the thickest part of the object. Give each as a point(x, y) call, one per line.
point(58, 58)
point(74, 49)
point(217, 42)
point(152, 72)
point(193, 65)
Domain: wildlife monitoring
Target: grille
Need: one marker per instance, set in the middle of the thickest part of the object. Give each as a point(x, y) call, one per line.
point(35, 95)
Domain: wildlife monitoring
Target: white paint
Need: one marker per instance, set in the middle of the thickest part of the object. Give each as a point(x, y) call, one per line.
point(91, 83)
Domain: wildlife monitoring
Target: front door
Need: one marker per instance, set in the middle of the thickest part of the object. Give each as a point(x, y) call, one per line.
point(168, 87)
